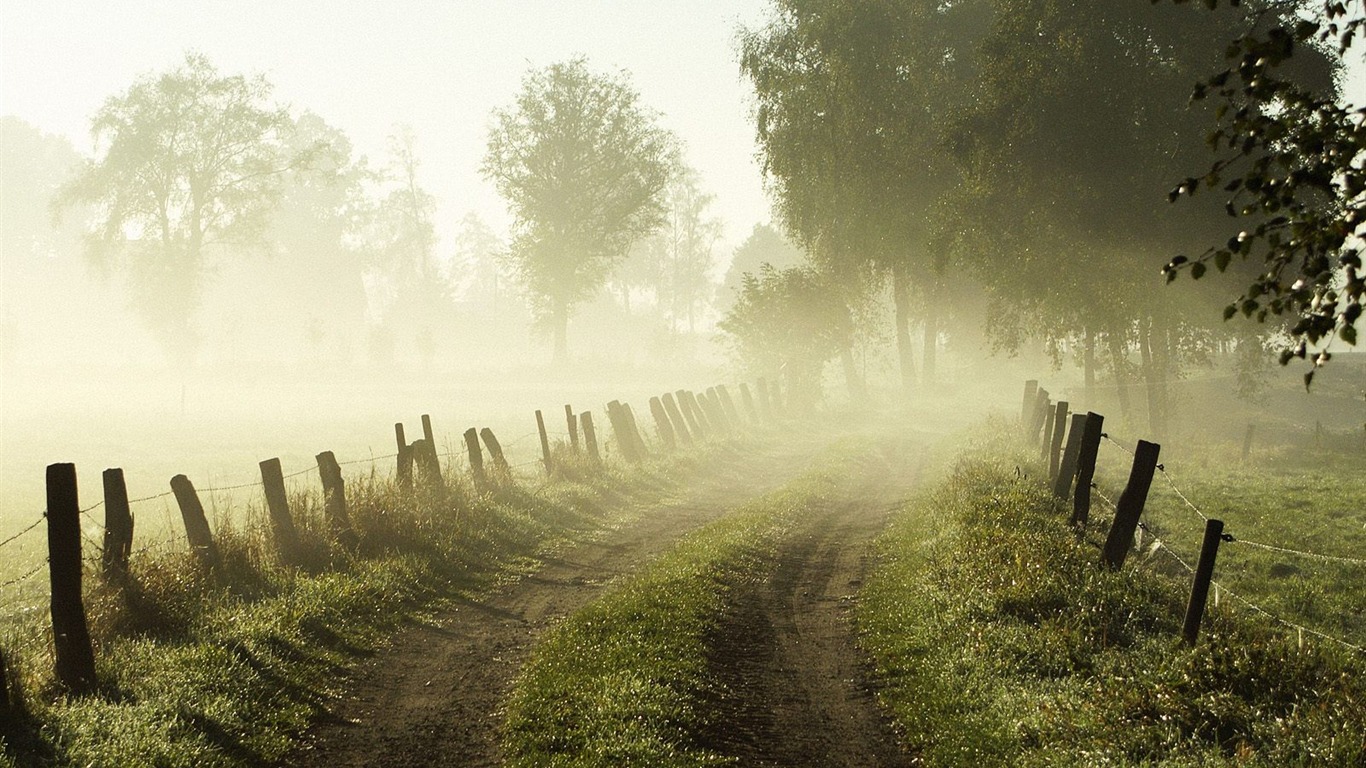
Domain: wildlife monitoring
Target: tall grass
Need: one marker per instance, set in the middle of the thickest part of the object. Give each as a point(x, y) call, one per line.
point(1001, 642)
point(223, 668)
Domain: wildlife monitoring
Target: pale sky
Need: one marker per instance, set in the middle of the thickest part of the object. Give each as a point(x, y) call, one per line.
point(440, 66)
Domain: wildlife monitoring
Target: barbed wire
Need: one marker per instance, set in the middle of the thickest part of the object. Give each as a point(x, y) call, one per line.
point(1300, 552)
point(25, 577)
point(41, 517)
point(154, 497)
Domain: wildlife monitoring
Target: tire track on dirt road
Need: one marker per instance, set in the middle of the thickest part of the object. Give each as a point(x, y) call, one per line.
point(432, 697)
point(794, 685)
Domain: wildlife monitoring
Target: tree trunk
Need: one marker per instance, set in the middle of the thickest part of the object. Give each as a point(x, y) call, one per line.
point(561, 329)
point(1152, 343)
point(1088, 357)
point(931, 340)
point(1120, 364)
point(901, 297)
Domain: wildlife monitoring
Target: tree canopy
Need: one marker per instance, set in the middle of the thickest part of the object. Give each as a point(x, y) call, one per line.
point(583, 166)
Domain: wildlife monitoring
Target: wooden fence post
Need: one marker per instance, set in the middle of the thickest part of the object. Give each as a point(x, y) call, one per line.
point(433, 459)
point(691, 404)
point(1130, 506)
point(196, 524)
point(1086, 468)
point(1067, 470)
point(118, 526)
point(621, 431)
point(1055, 445)
point(334, 500)
point(676, 418)
point(711, 403)
point(662, 425)
point(748, 400)
point(476, 458)
point(1040, 414)
point(1027, 407)
point(590, 436)
point(545, 443)
point(1047, 442)
point(404, 472)
point(277, 503)
point(765, 406)
point(1247, 441)
point(500, 461)
point(728, 404)
point(1204, 573)
point(573, 428)
point(634, 430)
point(74, 655)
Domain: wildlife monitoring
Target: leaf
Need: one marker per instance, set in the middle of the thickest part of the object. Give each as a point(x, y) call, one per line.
point(1197, 270)
point(1349, 334)
point(1308, 379)
point(1221, 260)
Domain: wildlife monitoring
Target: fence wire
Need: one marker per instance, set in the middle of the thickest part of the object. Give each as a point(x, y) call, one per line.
point(41, 517)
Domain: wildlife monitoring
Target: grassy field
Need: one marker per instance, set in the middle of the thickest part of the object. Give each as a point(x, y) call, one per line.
point(223, 669)
point(1001, 643)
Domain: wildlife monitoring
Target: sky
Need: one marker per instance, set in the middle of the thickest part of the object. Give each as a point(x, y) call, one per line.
point(439, 66)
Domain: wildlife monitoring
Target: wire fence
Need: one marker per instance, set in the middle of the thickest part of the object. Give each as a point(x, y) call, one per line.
point(1159, 544)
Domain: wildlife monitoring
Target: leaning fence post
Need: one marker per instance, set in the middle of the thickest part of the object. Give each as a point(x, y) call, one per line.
point(634, 429)
point(1027, 407)
point(728, 404)
point(573, 424)
point(1040, 414)
point(621, 430)
point(545, 442)
point(711, 404)
point(590, 436)
point(500, 461)
point(1067, 470)
point(1204, 572)
point(662, 425)
point(676, 418)
point(1059, 427)
point(1086, 468)
point(405, 459)
point(1050, 417)
point(334, 500)
point(476, 457)
point(1130, 505)
point(433, 459)
point(277, 503)
point(196, 524)
point(118, 526)
point(73, 653)
point(689, 408)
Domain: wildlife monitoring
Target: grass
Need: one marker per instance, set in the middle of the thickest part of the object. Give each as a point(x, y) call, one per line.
point(225, 668)
point(624, 681)
point(1000, 642)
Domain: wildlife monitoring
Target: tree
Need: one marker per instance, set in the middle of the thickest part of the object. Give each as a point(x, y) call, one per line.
point(583, 167)
point(765, 245)
point(788, 323)
point(850, 100)
point(1294, 158)
point(187, 161)
point(676, 261)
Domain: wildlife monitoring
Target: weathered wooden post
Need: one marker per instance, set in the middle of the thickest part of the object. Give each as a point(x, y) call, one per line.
point(277, 503)
point(500, 462)
point(1055, 445)
point(634, 430)
point(621, 431)
point(432, 460)
point(715, 414)
point(118, 526)
point(748, 400)
point(1130, 506)
point(765, 406)
point(1247, 441)
point(676, 418)
point(1047, 441)
point(662, 425)
point(476, 458)
point(1204, 573)
point(590, 436)
point(404, 472)
point(196, 524)
point(1040, 414)
point(73, 653)
point(690, 414)
point(334, 501)
point(1027, 407)
point(694, 405)
point(573, 428)
point(1086, 468)
point(1067, 470)
point(545, 443)
point(728, 403)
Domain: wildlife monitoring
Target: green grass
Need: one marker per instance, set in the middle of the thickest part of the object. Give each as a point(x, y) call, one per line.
point(624, 681)
point(224, 669)
point(1000, 642)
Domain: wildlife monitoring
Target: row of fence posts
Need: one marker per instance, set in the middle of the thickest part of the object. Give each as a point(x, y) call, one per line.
point(681, 418)
point(1044, 423)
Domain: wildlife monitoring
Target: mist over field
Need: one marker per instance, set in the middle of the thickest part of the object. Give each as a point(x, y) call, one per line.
point(231, 232)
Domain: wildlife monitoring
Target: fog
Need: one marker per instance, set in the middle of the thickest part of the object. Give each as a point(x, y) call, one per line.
point(374, 285)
